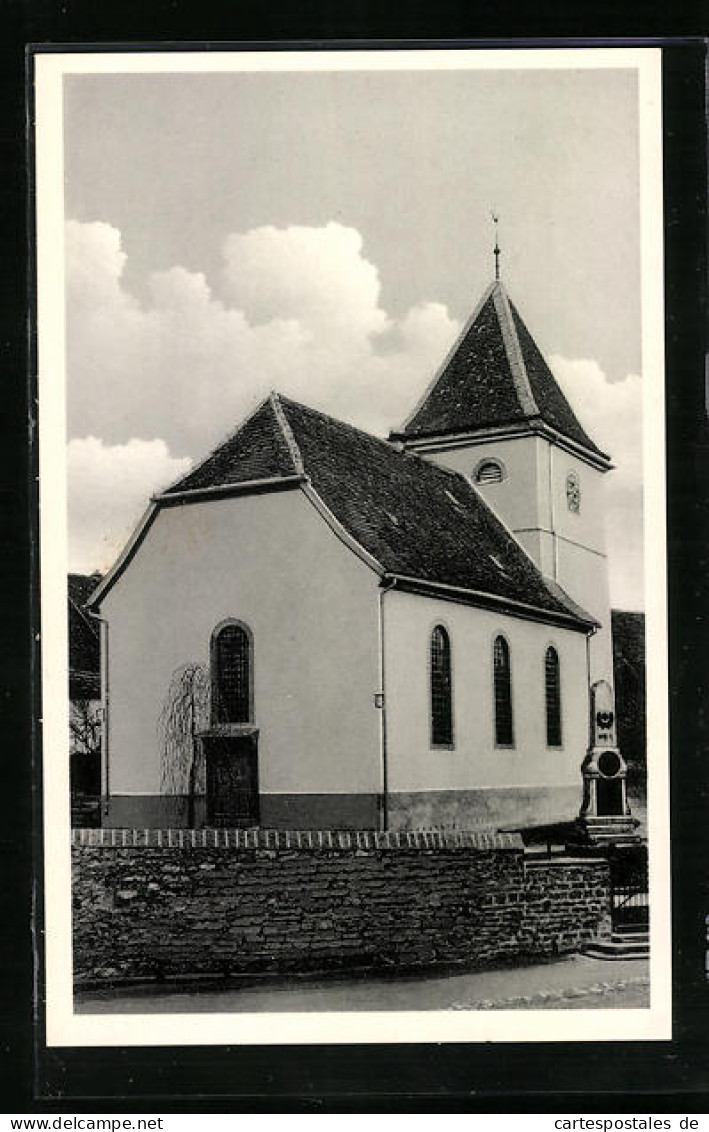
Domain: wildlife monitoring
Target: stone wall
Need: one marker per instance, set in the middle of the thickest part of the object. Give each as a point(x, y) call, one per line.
point(567, 903)
point(154, 904)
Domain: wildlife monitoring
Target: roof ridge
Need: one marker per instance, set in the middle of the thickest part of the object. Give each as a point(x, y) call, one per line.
point(513, 350)
point(392, 447)
point(291, 442)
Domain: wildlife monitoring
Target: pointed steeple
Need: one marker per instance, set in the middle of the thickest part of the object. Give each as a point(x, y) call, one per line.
point(495, 377)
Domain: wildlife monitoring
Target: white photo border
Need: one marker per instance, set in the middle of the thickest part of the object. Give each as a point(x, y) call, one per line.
point(63, 1026)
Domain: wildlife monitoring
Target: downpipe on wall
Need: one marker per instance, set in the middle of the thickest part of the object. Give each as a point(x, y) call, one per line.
point(591, 633)
point(586, 798)
point(384, 588)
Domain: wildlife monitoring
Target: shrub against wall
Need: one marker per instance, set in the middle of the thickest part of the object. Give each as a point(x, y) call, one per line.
point(185, 712)
point(148, 911)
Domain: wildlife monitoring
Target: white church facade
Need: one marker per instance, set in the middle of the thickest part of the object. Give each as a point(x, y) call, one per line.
point(396, 633)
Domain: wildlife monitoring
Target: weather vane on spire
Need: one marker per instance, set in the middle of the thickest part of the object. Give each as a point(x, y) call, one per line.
point(496, 249)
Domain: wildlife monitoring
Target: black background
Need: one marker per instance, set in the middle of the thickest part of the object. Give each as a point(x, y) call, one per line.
point(583, 1078)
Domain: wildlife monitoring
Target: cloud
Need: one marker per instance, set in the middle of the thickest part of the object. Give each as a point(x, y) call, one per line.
point(315, 275)
point(109, 487)
point(624, 538)
point(95, 263)
point(612, 415)
point(298, 310)
point(611, 412)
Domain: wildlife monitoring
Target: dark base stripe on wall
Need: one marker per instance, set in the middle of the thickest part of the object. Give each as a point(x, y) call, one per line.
point(448, 809)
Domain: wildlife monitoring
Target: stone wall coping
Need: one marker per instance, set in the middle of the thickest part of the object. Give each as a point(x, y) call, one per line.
point(563, 861)
point(299, 839)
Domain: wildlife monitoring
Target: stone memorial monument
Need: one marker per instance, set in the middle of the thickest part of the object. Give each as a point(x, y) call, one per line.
point(605, 810)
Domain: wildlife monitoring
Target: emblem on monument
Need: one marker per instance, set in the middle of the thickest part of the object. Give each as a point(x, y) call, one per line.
point(603, 715)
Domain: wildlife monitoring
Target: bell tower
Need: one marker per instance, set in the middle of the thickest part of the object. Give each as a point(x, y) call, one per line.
point(495, 412)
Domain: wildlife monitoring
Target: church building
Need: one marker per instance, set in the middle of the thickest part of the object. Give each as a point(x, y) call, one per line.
point(318, 628)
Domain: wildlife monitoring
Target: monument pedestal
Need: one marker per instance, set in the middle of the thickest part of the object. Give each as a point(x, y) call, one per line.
point(605, 813)
point(604, 818)
point(610, 831)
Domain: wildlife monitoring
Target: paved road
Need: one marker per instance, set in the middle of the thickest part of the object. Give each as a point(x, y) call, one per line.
point(575, 982)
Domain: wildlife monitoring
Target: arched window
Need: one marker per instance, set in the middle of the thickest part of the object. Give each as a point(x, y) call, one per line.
point(552, 688)
point(489, 471)
point(441, 689)
point(232, 674)
point(504, 732)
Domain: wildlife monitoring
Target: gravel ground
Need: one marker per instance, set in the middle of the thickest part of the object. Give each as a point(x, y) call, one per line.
point(574, 983)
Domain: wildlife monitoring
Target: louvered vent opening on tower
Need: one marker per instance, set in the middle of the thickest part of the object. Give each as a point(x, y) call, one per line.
point(489, 472)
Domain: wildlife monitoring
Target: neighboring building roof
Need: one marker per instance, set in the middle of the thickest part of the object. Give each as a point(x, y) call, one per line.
point(81, 586)
point(495, 376)
point(629, 678)
point(84, 686)
point(628, 641)
point(84, 642)
point(415, 519)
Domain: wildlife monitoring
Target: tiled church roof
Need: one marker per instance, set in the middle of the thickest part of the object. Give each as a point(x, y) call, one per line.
point(414, 518)
point(495, 375)
point(257, 450)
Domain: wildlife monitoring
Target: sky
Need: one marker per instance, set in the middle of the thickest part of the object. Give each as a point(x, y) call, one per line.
point(327, 234)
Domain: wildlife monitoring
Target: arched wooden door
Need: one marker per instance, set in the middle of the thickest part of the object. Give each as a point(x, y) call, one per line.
point(231, 763)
